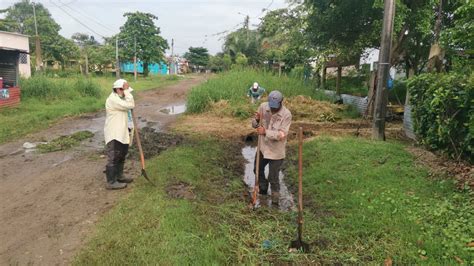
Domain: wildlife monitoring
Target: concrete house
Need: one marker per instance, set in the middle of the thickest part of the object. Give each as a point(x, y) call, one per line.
point(14, 62)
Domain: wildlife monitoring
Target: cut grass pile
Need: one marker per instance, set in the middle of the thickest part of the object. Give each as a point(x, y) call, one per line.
point(45, 100)
point(65, 142)
point(232, 86)
point(302, 108)
point(365, 202)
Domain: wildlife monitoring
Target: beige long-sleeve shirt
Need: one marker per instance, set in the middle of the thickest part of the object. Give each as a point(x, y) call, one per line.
point(273, 144)
point(116, 120)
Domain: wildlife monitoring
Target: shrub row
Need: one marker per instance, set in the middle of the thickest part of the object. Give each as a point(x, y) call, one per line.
point(42, 87)
point(443, 112)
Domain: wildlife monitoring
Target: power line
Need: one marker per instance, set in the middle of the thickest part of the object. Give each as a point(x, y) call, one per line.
point(84, 14)
point(78, 21)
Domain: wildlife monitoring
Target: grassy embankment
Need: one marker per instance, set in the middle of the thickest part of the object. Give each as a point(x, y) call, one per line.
point(45, 100)
point(365, 202)
point(232, 87)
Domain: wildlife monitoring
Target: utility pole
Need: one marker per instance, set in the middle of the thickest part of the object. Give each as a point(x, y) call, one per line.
point(87, 61)
point(117, 62)
point(172, 67)
point(135, 59)
point(39, 60)
point(381, 98)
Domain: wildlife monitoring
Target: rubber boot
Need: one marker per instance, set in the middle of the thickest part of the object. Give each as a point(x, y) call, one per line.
point(276, 198)
point(111, 174)
point(262, 191)
point(120, 177)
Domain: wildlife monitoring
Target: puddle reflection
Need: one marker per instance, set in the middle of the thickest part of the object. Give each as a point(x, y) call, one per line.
point(174, 109)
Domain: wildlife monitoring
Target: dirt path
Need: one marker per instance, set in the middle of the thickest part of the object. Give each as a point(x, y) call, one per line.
point(49, 203)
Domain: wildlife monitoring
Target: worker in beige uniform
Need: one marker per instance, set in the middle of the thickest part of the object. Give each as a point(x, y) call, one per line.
point(276, 121)
point(116, 133)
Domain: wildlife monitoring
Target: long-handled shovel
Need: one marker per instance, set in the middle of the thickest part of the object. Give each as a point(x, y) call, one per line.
point(139, 144)
point(257, 169)
point(298, 244)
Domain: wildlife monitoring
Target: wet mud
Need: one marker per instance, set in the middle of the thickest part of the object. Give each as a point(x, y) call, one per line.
point(154, 142)
point(286, 202)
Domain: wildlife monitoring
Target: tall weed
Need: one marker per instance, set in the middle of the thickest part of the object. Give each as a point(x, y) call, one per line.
point(45, 88)
point(232, 86)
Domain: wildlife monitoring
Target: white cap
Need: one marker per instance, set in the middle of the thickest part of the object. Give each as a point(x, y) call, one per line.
point(255, 85)
point(119, 83)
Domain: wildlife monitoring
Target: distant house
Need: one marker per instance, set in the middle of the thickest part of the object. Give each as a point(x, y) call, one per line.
point(14, 62)
point(154, 69)
point(371, 57)
point(177, 65)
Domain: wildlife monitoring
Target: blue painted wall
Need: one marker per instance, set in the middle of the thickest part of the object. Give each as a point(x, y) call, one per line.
point(156, 69)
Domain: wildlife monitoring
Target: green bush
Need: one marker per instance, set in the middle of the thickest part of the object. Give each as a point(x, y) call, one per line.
point(233, 85)
point(399, 92)
point(62, 73)
point(297, 72)
point(354, 85)
point(443, 110)
point(87, 87)
point(38, 86)
point(43, 87)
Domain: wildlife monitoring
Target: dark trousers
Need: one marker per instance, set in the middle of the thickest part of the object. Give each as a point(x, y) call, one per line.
point(116, 152)
point(273, 174)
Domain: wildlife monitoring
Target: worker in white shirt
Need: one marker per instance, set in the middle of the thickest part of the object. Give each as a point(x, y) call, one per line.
point(116, 133)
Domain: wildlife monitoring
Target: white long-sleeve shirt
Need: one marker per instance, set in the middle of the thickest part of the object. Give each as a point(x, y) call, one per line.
point(116, 120)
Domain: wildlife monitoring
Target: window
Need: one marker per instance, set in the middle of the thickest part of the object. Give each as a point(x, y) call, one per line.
point(23, 58)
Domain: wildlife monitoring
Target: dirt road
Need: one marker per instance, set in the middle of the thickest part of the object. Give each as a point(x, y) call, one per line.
point(49, 203)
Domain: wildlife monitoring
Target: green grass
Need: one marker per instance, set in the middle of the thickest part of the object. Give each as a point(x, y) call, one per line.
point(148, 227)
point(365, 201)
point(65, 142)
point(45, 100)
point(369, 202)
point(233, 86)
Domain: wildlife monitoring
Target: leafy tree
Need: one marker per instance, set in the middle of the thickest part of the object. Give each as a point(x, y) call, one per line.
point(343, 27)
point(198, 56)
point(140, 28)
point(19, 18)
point(282, 37)
point(241, 60)
point(216, 63)
point(244, 41)
point(101, 56)
point(85, 42)
point(227, 61)
point(458, 37)
point(63, 50)
point(346, 28)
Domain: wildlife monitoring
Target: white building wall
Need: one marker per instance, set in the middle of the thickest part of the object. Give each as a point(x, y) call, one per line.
point(15, 41)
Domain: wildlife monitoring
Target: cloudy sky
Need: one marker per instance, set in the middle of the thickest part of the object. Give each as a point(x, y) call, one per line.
point(188, 22)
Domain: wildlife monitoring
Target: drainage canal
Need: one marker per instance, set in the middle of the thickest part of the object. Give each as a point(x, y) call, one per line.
point(286, 202)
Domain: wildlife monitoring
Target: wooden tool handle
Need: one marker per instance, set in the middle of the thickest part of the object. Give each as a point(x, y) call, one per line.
point(139, 143)
point(300, 175)
point(257, 166)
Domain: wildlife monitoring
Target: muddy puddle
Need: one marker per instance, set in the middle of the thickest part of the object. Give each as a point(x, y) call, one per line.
point(286, 202)
point(154, 142)
point(174, 109)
